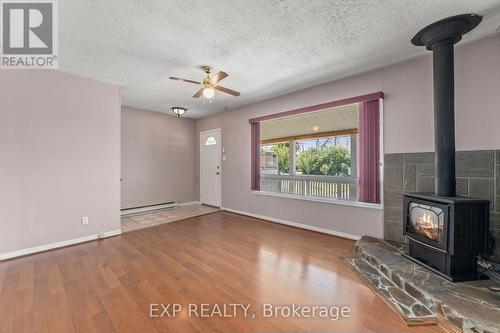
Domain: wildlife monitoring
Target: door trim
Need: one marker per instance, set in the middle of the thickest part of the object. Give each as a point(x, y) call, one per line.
point(220, 162)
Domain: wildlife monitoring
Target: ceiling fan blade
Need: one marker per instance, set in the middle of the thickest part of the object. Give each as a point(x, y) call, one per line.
point(185, 80)
point(218, 77)
point(227, 90)
point(198, 93)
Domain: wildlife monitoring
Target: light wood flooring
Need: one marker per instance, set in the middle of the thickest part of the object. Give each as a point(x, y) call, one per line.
point(221, 258)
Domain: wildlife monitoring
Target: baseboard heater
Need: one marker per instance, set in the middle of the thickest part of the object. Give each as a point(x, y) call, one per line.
point(146, 208)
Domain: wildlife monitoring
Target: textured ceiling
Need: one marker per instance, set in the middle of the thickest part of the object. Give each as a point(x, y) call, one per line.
point(335, 119)
point(268, 47)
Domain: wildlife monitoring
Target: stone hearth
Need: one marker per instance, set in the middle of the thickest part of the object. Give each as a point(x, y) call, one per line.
point(423, 297)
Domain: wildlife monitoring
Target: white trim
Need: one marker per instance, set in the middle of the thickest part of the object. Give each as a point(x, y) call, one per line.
point(295, 224)
point(157, 207)
point(212, 130)
point(146, 209)
point(46, 247)
point(182, 204)
point(220, 162)
point(323, 200)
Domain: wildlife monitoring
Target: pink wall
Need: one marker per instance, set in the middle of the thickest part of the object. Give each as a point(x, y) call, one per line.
point(60, 158)
point(409, 100)
point(158, 158)
point(408, 127)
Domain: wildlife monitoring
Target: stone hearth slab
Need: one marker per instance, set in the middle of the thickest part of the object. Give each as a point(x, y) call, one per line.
point(411, 310)
point(470, 306)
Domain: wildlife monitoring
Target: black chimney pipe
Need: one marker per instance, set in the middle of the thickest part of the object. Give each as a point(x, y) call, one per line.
point(440, 37)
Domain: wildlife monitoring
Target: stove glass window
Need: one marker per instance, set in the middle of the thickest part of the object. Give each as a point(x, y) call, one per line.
point(426, 221)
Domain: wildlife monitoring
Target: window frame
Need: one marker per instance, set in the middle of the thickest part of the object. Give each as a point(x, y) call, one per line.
point(255, 148)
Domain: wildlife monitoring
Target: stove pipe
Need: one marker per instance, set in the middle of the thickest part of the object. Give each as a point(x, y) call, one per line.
point(440, 37)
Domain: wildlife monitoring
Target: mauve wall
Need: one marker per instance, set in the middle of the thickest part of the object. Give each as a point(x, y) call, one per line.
point(60, 158)
point(158, 158)
point(408, 127)
point(408, 107)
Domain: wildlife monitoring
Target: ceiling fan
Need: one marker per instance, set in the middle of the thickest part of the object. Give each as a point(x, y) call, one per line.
point(209, 84)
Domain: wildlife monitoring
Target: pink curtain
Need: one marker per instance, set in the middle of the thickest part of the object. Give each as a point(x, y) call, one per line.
point(369, 151)
point(255, 158)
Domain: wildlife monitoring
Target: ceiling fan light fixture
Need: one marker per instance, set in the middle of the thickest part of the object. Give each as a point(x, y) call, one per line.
point(209, 85)
point(178, 110)
point(208, 92)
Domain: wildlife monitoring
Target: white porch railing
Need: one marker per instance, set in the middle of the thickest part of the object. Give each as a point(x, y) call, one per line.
point(342, 188)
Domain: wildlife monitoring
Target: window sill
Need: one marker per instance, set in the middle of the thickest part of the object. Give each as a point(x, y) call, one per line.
point(322, 200)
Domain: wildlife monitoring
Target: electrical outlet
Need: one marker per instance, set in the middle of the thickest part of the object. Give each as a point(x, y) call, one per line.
point(85, 220)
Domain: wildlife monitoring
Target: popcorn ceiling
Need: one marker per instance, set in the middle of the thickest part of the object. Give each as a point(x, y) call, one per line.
point(268, 47)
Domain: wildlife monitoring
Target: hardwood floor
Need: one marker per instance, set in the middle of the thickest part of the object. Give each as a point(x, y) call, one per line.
point(221, 258)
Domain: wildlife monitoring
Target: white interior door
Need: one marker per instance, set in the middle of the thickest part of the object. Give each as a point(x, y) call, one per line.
point(210, 168)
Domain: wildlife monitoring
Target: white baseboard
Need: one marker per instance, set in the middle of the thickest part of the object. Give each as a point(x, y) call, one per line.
point(182, 204)
point(295, 224)
point(110, 233)
point(46, 247)
point(134, 211)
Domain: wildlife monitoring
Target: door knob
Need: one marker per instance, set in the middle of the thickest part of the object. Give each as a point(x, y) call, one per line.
point(217, 173)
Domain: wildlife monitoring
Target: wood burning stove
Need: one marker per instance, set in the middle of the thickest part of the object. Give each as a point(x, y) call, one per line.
point(445, 233)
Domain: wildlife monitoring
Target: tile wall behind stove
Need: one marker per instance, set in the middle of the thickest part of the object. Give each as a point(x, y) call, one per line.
point(476, 173)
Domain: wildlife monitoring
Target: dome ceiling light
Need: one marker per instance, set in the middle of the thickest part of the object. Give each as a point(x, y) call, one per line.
point(178, 110)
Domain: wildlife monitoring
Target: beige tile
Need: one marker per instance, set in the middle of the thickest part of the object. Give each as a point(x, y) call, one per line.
point(146, 220)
